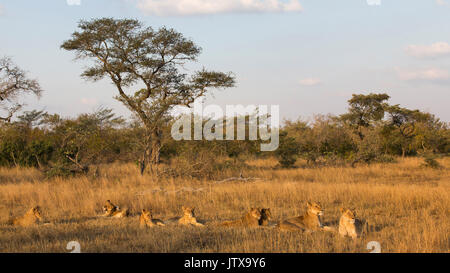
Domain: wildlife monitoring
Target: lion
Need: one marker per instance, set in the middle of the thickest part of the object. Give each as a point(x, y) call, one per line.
point(266, 216)
point(250, 219)
point(188, 217)
point(310, 221)
point(146, 219)
point(32, 217)
point(112, 210)
point(351, 226)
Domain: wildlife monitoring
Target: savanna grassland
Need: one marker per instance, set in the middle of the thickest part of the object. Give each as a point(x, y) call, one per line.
point(406, 204)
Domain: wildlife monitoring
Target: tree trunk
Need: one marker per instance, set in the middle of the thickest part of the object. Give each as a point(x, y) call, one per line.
point(151, 153)
point(156, 148)
point(143, 161)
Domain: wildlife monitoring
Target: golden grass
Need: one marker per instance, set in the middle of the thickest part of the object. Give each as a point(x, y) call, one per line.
point(407, 206)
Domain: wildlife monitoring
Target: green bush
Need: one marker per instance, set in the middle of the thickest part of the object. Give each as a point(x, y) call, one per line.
point(287, 151)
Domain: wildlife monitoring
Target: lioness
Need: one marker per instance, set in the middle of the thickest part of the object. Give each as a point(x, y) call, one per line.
point(250, 219)
point(112, 210)
point(310, 221)
point(266, 215)
point(33, 216)
point(188, 217)
point(351, 226)
point(146, 219)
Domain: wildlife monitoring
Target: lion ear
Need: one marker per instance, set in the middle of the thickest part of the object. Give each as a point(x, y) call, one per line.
point(342, 210)
point(183, 208)
point(308, 204)
point(143, 210)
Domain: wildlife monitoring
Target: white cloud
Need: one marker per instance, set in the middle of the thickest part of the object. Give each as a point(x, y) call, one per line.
point(441, 3)
point(88, 101)
point(201, 7)
point(2, 10)
point(310, 81)
point(432, 51)
point(430, 74)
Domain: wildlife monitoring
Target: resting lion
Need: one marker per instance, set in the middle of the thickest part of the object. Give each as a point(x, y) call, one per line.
point(250, 219)
point(188, 217)
point(146, 219)
point(351, 226)
point(32, 217)
point(112, 210)
point(308, 222)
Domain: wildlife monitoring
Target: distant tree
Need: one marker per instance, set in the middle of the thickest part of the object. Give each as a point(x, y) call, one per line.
point(401, 126)
point(133, 55)
point(364, 110)
point(32, 118)
point(85, 140)
point(13, 83)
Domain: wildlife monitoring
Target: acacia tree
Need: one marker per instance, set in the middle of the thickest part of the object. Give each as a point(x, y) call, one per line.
point(133, 56)
point(364, 110)
point(401, 126)
point(13, 83)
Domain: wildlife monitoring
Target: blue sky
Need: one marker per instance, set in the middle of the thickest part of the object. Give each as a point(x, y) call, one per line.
point(308, 56)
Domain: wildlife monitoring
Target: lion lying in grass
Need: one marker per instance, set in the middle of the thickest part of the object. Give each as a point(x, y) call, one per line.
point(112, 210)
point(250, 219)
point(146, 219)
point(351, 226)
point(31, 217)
point(308, 222)
point(188, 217)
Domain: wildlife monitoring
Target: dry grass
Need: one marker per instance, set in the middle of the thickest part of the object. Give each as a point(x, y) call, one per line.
point(407, 206)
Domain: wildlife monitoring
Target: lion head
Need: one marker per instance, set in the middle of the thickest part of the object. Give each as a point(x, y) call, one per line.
point(36, 211)
point(109, 207)
point(255, 213)
point(146, 214)
point(315, 208)
point(349, 215)
point(188, 211)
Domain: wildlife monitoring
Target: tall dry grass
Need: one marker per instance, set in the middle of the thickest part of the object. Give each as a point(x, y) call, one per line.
point(407, 206)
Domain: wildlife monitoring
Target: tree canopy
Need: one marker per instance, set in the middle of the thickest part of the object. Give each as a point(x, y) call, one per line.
point(150, 63)
point(13, 83)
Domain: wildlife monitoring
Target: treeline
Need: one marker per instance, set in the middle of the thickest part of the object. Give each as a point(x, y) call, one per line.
point(371, 131)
